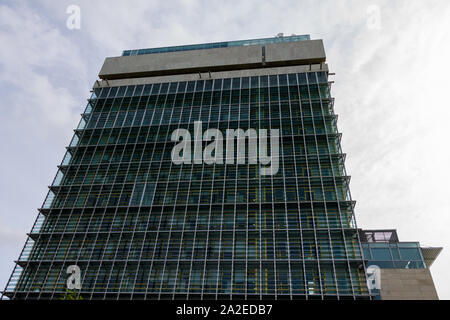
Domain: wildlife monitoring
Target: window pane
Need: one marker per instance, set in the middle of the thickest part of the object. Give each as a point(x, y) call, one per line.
point(410, 254)
point(381, 254)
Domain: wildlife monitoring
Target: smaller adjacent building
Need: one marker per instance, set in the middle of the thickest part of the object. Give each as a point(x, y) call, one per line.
point(398, 270)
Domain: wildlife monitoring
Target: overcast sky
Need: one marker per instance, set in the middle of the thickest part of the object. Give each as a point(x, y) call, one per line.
point(391, 89)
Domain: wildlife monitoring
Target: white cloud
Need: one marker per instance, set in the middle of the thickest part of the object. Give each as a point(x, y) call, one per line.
point(39, 63)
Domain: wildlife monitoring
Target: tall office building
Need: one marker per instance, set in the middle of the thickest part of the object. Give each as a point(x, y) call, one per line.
point(134, 224)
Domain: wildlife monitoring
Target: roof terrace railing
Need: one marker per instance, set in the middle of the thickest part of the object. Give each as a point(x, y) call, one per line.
point(212, 45)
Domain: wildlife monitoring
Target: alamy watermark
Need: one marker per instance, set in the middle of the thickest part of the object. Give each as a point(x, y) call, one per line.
point(73, 21)
point(373, 277)
point(257, 149)
point(373, 21)
point(74, 279)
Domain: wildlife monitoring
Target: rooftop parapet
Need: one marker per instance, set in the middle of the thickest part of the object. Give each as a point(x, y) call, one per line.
point(244, 56)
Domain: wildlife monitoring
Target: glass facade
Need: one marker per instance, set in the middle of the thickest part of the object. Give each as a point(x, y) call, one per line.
point(141, 227)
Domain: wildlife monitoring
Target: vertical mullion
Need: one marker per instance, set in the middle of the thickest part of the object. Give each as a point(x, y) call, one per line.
point(214, 178)
point(96, 241)
point(138, 211)
point(282, 166)
point(169, 237)
point(157, 181)
point(297, 176)
point(333, 260)
point(176, 204)
point(208, 230)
